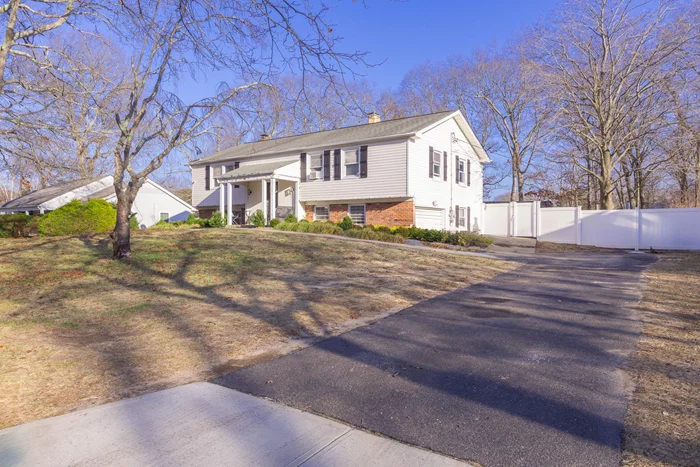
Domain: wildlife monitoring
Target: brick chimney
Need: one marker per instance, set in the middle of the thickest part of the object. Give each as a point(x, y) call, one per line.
point(264, 137)
point(373, 117)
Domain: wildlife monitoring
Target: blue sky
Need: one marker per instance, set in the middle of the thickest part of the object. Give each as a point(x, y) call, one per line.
point(406, 33)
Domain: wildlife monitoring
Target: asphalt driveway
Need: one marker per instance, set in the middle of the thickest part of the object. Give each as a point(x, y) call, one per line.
point(520, 370)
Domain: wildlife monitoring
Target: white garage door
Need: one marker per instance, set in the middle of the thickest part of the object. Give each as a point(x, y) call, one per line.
point(430, 218)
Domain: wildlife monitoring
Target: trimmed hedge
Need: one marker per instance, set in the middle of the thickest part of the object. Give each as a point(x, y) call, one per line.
point(76, 218)
point(18, 225)
point(383, 233)
point(371, 234)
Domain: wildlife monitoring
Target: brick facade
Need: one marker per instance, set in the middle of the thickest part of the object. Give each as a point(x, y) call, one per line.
point(389, 214)
point(338, 211)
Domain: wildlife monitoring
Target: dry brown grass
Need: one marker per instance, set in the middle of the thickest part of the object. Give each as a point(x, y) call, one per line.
point(551, 247)
point(78, 329)
point(662, 426)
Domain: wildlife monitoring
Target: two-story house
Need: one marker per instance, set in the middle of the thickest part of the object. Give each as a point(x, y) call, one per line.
point(424, 171)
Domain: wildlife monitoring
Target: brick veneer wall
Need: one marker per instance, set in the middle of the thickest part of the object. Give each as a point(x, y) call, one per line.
point(338, 211)
point(390, 214)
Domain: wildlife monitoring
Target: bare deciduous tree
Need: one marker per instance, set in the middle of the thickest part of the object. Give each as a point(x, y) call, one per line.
point(254, 40)
point(605, 59)
point(518, 106)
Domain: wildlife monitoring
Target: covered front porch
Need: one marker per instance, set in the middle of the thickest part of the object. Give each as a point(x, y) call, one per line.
point(270, 188)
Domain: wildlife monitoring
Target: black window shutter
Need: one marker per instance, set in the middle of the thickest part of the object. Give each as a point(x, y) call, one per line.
point(469, 172)
point(326, 165)
point(336, 164)
point(430, 162)
point(363, 161)
point(236, 165)
point(469, 218)
point(456, 169)
point(207, 178)
point(457, 216)
point(444, 175)
point(302, 164)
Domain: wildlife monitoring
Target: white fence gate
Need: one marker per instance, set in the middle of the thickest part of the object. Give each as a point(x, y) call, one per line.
point(672, 229)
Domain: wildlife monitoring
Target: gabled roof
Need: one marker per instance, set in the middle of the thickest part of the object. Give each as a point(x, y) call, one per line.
point(252, 170)
point(32, 200)
point(400, 127)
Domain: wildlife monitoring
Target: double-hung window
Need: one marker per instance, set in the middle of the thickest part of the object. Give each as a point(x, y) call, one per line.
point(462, 174)
point(217, 173)
point(462, 216)
point(316, 166)
point(437, 163)
point(321, 213)
point(357, 213)
point(352, 162)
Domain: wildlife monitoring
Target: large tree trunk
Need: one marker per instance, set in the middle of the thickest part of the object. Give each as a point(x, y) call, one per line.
point(606, 189)
point(121, 235)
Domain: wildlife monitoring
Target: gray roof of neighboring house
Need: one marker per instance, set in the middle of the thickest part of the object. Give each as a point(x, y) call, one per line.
point(347, 135)
point(103, 193)
point(253, 170)
point(35, 198)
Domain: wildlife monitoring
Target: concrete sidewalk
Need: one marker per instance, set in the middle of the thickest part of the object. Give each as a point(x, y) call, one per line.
point(201, 424)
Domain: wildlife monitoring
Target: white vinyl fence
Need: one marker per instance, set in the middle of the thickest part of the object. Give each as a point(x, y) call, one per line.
point(673, 229)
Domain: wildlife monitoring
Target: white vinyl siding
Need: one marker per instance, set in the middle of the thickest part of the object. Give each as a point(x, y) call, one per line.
point(386, 177)
point(357, 213)
point(426, 192)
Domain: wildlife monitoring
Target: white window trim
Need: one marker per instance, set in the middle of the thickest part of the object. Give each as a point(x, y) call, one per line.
point(364, 207)
point(463, 161)
point(462, 216)
point(161, 213)
point(311, 169)
point(343, 174)
point(437, 176)
point(216, 184)
point(328, 208)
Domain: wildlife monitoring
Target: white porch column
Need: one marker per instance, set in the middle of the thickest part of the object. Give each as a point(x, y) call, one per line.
point(229, 204)
point(221, 198)
point(273, 197)
point(295, 200)
point(263, 184)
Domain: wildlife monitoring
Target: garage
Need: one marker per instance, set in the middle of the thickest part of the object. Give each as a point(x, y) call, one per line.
point(430, 218)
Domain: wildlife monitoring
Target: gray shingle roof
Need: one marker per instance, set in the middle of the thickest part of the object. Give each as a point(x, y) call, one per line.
point(32, 200)
point(253, 170)
point(347, 135)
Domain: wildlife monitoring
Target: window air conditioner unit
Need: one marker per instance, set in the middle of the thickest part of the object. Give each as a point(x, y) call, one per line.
point(313, 175)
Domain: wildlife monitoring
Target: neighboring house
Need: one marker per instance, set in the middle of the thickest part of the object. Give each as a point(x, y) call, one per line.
point(424, 171)
point(153, 202)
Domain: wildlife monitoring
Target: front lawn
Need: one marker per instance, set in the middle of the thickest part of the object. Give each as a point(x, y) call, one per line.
point(662, 426)
point(78, 329)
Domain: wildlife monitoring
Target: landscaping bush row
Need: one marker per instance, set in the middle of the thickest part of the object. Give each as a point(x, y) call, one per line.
point(383, 233)
point(18, 225)
point(330, 228)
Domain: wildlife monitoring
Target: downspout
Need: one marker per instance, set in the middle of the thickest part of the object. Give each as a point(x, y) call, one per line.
point(451, 177)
